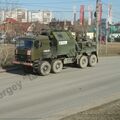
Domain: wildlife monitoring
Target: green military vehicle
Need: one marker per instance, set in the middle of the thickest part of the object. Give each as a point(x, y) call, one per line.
point(51, 51)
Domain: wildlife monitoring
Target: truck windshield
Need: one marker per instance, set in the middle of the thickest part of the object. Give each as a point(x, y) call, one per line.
point(24, 43)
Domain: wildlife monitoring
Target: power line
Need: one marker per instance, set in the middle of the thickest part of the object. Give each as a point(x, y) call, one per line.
point(60, 2)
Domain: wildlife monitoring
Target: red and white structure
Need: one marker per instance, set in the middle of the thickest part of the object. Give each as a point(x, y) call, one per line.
point(110, 14)
point(99, 13)
point(90, 15)
point(82, 15)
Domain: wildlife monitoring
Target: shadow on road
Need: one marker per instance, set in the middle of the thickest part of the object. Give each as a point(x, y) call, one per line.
point(20, 71)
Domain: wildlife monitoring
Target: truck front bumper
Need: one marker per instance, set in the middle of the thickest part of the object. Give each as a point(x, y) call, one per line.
point(22, 63)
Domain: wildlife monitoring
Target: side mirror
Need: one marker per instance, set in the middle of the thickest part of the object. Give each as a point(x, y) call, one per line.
point(95, 14)
point(36, 44)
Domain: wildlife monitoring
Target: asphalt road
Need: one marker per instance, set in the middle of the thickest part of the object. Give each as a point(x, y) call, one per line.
point(30, 97)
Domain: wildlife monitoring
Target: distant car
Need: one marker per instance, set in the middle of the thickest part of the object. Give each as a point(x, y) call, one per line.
point(1, 40)
point(13, 40)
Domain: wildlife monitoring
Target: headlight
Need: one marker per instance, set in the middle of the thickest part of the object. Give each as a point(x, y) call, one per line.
point(28, 52)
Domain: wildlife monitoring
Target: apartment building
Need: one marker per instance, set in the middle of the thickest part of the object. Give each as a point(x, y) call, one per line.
point(24, 15)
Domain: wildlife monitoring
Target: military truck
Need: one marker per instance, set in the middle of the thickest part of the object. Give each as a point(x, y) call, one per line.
point(51, 51)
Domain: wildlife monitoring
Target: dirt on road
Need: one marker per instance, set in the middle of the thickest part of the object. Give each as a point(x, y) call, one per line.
point(110, 111)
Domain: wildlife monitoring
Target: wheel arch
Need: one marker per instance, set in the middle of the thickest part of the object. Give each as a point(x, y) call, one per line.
point(95, 53)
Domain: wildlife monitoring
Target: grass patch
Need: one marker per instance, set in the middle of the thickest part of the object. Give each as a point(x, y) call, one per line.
point(113, 49)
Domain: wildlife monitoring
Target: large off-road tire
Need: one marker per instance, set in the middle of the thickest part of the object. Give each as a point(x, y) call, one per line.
point(57, 66)
point(83, 61)
point(44, 68)
point(36, 66)
point(92, 60)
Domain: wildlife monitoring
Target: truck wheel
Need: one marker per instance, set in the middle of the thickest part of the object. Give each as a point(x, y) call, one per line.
point(44, 68)
point(57, 66)
point(83, 62)
point(92, 60)
point(35, 66)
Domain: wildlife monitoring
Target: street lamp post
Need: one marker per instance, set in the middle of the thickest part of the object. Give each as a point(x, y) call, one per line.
point(97, 25)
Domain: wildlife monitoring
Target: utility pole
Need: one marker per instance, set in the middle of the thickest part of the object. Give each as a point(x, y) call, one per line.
point(0, 13)
point(74, 13)
point(108, 22)
point(43, 12)
point(97, 25)
point(106, 39)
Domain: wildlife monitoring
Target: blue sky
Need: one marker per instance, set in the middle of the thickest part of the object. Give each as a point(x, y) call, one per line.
point(62, 9)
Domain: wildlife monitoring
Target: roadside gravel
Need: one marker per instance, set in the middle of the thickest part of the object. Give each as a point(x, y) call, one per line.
point(109, 111)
